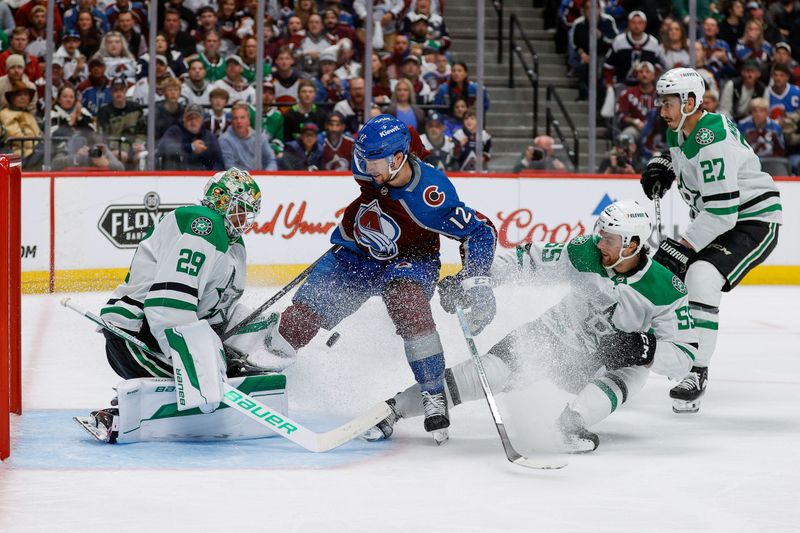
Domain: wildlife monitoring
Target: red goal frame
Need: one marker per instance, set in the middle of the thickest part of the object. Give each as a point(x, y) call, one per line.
point(10, 297)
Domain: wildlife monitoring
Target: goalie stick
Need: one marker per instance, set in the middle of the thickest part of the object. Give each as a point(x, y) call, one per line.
point(511, 454)
point(281, 424)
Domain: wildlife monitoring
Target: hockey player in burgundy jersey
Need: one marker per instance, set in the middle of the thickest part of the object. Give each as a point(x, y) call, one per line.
point(389, 238)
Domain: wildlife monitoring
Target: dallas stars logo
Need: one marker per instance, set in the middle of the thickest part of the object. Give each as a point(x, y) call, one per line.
point(679, 285)
point(704, 136)
point(202, 226)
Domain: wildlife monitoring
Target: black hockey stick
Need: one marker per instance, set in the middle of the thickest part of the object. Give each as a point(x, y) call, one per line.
point(247, 405)
point(511, 454)
point(280, 294)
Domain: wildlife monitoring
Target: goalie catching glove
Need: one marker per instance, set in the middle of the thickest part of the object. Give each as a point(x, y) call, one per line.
point(621, 349)
point(675, 256)
point(474, 295)
point(658, 176)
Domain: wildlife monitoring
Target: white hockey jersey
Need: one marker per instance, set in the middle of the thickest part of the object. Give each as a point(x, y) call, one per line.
point(184, 271)
point(601, 301)
point(720, 177)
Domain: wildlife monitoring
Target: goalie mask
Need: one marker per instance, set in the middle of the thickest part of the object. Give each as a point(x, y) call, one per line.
point(626, 219)
point(235, 195)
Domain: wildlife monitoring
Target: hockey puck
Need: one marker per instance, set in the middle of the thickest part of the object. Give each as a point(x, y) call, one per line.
point(332, 339)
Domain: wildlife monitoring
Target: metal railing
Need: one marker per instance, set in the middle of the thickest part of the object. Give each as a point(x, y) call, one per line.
point(552, 123)
point(498, 8)
point(532, 72)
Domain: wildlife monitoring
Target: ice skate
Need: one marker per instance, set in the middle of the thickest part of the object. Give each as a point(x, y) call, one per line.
point(574, 436)
point(686, 395)
point(102, 424)
point(383, 429)
point(436, 416)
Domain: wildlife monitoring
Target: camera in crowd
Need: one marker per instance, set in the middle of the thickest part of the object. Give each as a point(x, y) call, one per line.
point(538, 154)
point(622, 151)
point(96, 151)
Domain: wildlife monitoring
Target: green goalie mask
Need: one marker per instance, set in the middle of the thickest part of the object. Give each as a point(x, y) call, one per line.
point(235, 195)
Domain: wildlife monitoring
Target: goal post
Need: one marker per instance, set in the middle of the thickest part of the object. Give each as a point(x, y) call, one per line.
point(10, 297)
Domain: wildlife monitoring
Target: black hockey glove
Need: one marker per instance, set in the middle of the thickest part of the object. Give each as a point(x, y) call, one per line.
point(658, 176)
point(474, 295)
point(451, 294)
point(621, 349)
point(675, 256)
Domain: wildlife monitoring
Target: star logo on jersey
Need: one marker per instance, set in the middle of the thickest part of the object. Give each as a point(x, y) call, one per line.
point(679, 285)
point(704, 136)
point(376, 231)
point(433, 197)
point(202, 226)
point(580, 239)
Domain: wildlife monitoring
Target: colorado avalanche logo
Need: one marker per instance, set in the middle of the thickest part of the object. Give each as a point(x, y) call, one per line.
point(376, 231)
point(433, 197)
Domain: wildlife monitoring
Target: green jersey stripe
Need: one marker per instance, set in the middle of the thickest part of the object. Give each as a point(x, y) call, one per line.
point(686, 350)
point(121, 311)
point(754, 254)
point(170, 302)
point(723, 210)
point(610, 393)
point(705, 324)
point(774, 207)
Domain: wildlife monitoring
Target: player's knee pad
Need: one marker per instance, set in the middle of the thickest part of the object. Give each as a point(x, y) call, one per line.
point(409, 308)
point(298, 325)
point(704, 283)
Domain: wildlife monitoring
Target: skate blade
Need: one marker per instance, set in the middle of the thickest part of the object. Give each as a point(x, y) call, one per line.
point(685, 407)
point(440, 436)
point(94, 431)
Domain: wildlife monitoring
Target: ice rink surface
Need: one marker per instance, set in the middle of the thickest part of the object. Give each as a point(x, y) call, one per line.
point(733, 467)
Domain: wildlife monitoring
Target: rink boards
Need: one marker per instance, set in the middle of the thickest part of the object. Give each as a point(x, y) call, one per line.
point(79, 232)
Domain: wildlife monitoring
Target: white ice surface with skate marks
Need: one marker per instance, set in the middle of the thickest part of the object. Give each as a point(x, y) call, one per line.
point(733, 467)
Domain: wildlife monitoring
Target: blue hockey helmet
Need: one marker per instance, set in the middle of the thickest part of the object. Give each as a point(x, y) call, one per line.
point(378, 141)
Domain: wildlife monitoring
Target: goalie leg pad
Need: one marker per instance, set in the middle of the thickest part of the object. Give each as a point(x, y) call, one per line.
point(198, 359)
point(148, 411)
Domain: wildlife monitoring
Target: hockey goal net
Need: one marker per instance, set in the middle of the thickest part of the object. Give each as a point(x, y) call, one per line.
point(10, 297)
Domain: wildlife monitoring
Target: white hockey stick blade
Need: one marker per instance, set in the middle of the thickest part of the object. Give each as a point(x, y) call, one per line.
point(255, 410)
point(539, 464)
point(289, 429)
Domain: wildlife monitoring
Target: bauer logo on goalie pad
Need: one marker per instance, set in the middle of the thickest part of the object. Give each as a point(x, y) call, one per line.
point(376, 231)
point(202, 226)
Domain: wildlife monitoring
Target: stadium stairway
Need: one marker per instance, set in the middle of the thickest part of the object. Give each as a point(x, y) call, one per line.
point(509, 119)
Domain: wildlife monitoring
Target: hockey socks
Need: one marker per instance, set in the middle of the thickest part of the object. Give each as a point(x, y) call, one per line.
point(605, 394)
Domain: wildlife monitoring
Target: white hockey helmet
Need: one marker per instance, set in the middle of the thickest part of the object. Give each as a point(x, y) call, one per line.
point(627, 219)
point(681, 82)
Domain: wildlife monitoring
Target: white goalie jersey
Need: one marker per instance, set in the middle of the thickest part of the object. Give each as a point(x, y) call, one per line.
point(720, 177)
point(184, 271)
point(601, 301)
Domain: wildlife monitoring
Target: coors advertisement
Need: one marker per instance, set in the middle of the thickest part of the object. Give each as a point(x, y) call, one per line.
point(126, 225)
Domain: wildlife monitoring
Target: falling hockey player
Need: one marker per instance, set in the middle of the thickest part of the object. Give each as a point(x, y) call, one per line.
point(389, 247)
point(180, 294)
point(735, 209)
point(624, 316)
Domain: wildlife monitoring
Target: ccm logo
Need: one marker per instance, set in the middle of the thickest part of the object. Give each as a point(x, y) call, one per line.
point(433, 196)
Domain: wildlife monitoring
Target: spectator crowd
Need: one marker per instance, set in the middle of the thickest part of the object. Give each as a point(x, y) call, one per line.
point(746, 51)
point(205, 62)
